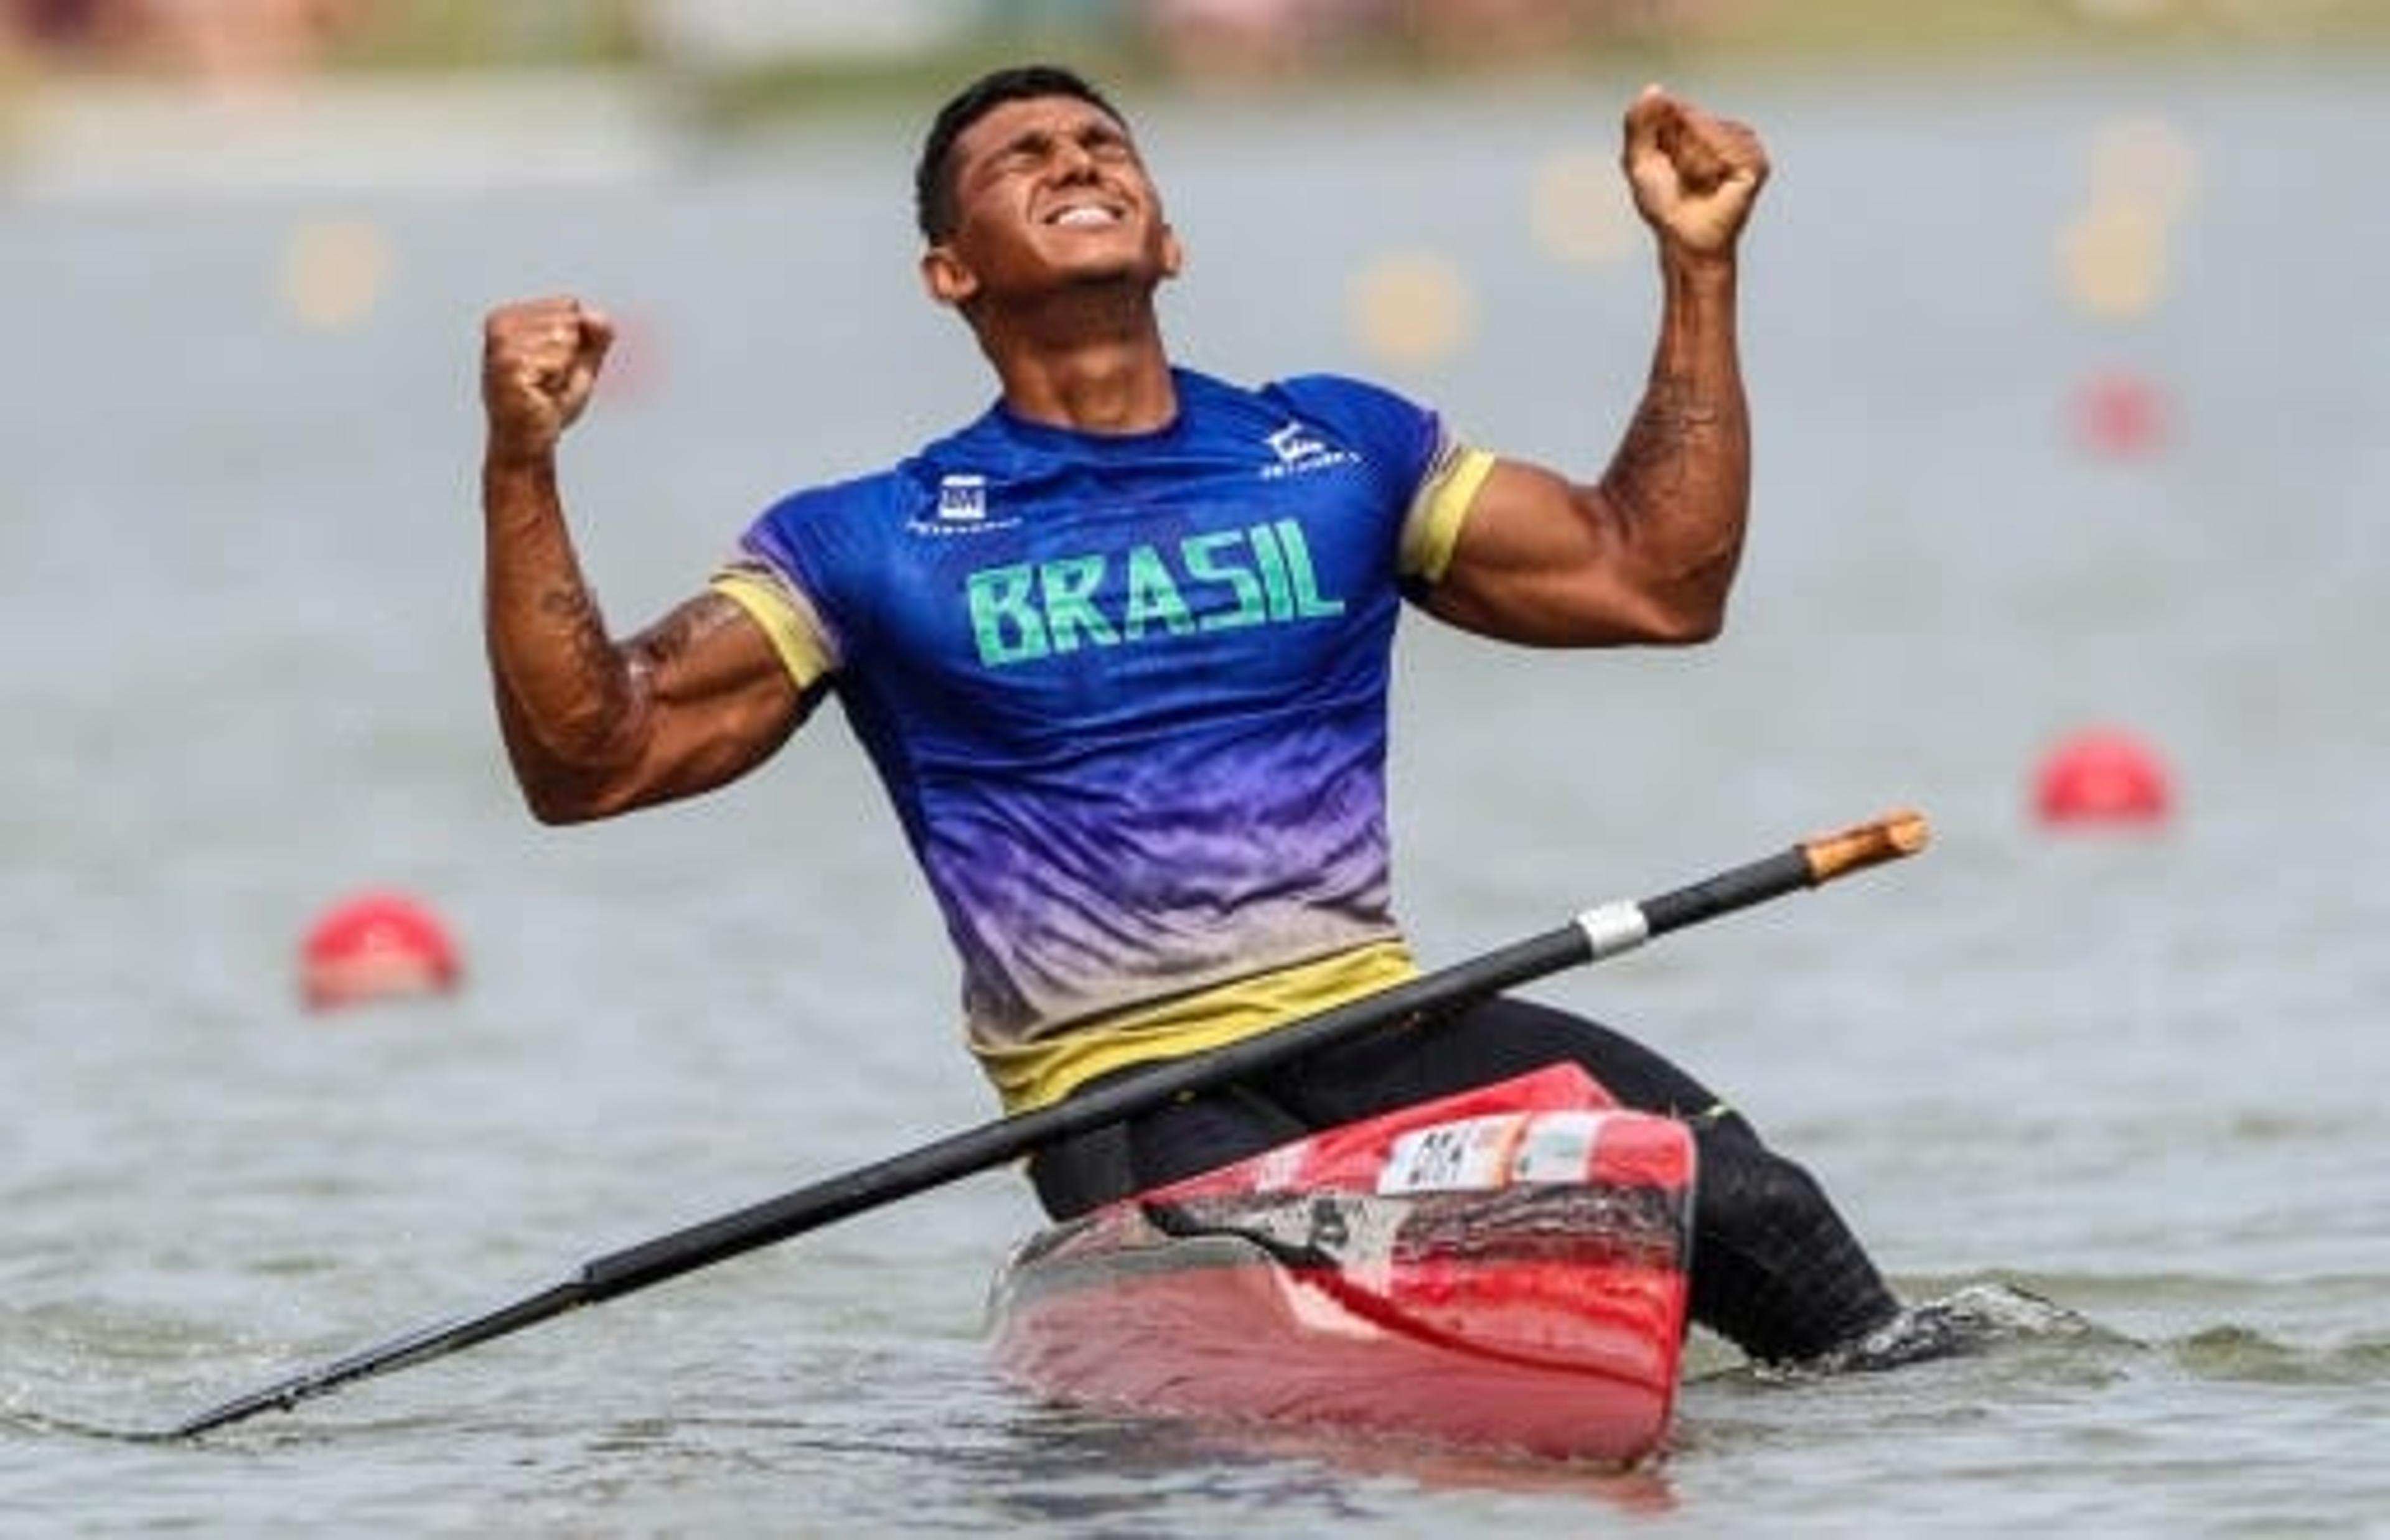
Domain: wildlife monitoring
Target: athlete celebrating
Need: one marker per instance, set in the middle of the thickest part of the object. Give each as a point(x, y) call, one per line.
point(1119, 652)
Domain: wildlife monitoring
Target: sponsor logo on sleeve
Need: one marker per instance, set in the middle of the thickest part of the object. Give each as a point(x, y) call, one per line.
point(1301, 451)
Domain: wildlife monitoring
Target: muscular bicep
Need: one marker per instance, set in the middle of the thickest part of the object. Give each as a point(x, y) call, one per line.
point(718, 695)
point(1549, 562)
point(710, 698)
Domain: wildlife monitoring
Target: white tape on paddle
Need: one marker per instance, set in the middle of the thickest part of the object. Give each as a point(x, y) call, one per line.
point(1613, 927)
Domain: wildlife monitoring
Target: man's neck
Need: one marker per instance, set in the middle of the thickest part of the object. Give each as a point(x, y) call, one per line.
point(1094, 374)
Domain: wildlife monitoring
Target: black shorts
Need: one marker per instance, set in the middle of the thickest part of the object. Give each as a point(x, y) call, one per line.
point(1398, 1066)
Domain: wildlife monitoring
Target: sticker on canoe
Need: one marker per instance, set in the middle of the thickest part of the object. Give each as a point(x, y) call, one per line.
point(1488, 1153)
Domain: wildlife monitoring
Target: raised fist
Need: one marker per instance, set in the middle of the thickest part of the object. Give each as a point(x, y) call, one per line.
point(540, 360)
point(1695, 176)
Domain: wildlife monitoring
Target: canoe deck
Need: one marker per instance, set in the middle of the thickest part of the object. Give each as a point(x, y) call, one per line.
point(1503, 1269)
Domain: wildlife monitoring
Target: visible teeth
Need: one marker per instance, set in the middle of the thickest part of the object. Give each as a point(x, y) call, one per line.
point(1084, 213)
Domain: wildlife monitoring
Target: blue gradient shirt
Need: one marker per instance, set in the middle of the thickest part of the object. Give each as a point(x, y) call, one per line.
point(1128, 694)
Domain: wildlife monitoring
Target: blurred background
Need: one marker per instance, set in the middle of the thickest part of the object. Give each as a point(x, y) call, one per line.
point(729, 58)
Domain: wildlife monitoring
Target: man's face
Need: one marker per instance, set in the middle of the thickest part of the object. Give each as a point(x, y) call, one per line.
point(1049, 192)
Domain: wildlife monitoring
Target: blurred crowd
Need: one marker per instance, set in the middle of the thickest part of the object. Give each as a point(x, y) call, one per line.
point(208, 38)
point(1282, 36)
point(1249, 38)
point(237, 38)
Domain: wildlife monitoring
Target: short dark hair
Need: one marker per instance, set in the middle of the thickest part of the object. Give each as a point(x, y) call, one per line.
point(934, 189)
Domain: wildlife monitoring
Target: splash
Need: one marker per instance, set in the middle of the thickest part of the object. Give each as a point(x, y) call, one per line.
point(1972, 1319)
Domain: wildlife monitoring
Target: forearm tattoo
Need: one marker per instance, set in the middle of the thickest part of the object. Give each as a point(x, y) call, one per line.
point(562, 688)
point(1674, 424)
point(573, 611)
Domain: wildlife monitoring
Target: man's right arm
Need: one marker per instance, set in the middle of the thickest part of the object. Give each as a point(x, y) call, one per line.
point(593, 727)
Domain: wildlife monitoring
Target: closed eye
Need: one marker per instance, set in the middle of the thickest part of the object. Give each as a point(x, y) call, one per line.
point(1034, 147)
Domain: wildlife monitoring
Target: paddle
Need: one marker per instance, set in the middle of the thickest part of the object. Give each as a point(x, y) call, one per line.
point(1599, 933)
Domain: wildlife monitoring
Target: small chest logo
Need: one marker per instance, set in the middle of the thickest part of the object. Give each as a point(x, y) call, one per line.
point(1300, 450)
point(962, 500)
point(961, 507)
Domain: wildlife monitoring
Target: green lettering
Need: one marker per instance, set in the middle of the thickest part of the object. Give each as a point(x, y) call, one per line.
point(1281, 603)
point(1007, 627)
point(1256, 576)
point(1153, 595)
point(1068, 586)
point(1203, 565)
point(1309, 602)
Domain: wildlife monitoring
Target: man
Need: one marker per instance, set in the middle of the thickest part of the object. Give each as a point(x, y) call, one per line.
point(1119, 651)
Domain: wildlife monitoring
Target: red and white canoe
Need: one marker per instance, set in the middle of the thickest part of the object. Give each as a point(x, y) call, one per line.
point(1501, 1269)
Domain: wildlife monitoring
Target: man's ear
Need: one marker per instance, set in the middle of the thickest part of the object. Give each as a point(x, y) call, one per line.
point(945, 277)
point(1174, 256)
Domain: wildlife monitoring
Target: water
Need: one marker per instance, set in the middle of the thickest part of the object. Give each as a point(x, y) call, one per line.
point(2136, 1073)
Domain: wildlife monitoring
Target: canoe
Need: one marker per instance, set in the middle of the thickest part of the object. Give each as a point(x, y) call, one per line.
point(1503, 1269)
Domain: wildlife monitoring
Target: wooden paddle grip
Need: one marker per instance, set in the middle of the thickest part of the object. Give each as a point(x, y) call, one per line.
point(1871, 843)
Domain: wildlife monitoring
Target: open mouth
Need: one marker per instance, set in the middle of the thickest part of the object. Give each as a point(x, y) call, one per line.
point(1085, 217)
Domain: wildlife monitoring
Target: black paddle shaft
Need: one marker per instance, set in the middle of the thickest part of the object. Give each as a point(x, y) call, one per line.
point(1594, 934)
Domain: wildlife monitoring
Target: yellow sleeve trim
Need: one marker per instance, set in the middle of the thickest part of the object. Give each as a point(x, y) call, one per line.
point(796, 632)
point(1433, 528)
point(1038, 1073)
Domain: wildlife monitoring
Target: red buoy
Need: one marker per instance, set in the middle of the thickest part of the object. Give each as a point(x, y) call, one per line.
point(2102, 775)
point(376, 946)
point(2121, 416)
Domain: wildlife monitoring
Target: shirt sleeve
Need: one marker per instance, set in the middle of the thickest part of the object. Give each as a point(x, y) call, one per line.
point(787, 616)
point(1431, 475)
point(1432, 528)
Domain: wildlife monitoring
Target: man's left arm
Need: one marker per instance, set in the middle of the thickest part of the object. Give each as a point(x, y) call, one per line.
point(1648, 552)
